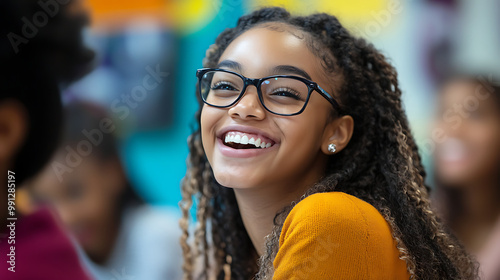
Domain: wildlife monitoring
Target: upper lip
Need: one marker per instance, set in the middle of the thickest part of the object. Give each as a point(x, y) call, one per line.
point(245, 129)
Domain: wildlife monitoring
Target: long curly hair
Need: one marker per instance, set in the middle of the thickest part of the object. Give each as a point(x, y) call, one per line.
point(380, 165)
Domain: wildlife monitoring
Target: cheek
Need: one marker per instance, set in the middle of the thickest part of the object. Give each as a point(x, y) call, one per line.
point(486, 141)
point(302, 138)
point(306, 130)
point(208, 120)
point(98, 198)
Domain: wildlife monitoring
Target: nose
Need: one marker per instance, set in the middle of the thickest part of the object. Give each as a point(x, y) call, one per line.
point(249, 106)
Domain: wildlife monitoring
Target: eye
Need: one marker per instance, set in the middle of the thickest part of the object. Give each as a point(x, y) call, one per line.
point(287, 92)
point(223, 85)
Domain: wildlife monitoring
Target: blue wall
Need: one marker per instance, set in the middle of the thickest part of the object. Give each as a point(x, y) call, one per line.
point(156, 160)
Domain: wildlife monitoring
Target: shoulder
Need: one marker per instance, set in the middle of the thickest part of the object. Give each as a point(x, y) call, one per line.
point(323, 210)
point(156, 218)
point(333, 202)
point(152, 226)
point(337, 234)
point(149, 243)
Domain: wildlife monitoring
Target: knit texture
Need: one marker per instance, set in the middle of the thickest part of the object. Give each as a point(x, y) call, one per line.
point(337, 236)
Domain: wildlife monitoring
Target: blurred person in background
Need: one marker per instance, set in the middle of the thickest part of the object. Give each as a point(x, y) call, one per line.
point(467, 167)
point(34, 62)
point(118, 232)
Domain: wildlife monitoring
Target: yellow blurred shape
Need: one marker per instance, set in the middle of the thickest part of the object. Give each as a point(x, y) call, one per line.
point(355, 9)
point(191, 15)
point(350, 12)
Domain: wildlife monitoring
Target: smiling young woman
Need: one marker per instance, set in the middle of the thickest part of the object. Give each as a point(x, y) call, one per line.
point(303, 166)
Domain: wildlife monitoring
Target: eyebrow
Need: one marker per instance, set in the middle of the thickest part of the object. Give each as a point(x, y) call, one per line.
point(230, 64)
point(289, 69)
point(278, 70)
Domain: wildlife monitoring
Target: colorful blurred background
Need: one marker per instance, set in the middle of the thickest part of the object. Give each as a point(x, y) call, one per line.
point(423, 39)
point(147, 53)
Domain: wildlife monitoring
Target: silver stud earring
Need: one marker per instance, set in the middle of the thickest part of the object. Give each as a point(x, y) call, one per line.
point(332, 148)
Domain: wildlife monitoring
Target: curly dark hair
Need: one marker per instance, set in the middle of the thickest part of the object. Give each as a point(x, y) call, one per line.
point(380, 165)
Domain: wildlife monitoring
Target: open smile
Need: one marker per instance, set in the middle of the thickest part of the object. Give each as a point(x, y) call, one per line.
point(240, 140)
point(243, 142)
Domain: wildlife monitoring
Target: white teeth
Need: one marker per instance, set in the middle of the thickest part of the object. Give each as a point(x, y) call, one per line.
point(257, 142)
point(243, 139)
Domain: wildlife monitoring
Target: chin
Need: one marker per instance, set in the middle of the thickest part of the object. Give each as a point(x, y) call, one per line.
point(453, 178)
point(234, 181)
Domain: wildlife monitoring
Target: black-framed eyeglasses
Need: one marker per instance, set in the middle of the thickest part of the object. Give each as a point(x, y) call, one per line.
point(283, 95)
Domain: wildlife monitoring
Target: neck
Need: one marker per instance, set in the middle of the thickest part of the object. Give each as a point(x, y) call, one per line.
point(258, 209)
point(480, 201)
point(110, 240)
point(258, 206)
point(480, 211)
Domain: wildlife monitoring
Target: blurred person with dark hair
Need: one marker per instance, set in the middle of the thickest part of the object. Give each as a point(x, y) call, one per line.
point(38, 54)
point(116, 230)
point(467, 165)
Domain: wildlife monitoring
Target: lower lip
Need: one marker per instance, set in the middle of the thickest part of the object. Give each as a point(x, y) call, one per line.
point(242, 153)
point(453, 159)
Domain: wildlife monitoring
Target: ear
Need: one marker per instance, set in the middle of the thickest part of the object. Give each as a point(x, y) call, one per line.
point(338, 132)
point(13, 128)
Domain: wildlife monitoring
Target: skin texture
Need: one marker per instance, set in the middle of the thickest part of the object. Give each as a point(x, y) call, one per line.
point(267, 182)
point(87, 202)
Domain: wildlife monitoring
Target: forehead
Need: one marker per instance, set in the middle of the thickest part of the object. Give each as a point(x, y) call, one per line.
point(461, 91)
point(457, 90)
point(261, 48)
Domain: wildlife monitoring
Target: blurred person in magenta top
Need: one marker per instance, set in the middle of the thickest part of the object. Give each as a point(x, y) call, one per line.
point(40, 50)
point(115, 231)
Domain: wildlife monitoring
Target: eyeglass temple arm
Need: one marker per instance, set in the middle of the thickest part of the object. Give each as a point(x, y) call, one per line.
point(329, 97)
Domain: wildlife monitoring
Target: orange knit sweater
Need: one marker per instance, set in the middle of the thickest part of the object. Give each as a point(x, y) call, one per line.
point(337, 236)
